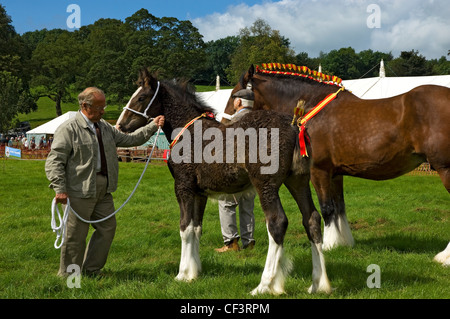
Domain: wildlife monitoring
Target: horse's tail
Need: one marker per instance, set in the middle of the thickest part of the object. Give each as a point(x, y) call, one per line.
point(300, 164)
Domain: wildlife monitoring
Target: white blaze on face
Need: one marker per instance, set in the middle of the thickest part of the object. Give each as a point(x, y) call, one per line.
point(128, 104)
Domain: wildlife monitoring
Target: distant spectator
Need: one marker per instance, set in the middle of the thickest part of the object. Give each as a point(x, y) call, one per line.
point(49, 143)
point(42, 143)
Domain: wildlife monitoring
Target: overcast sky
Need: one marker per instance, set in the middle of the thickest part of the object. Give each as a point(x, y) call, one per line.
point(324, 25)
point(311, 25)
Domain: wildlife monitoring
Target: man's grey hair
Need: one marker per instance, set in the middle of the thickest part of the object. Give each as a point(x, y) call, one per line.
point(88, 95)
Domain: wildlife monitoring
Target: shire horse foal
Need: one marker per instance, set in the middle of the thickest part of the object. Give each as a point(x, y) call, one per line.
point(197, 177)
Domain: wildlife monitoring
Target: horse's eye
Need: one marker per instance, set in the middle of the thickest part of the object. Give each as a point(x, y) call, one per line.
point(141, 98)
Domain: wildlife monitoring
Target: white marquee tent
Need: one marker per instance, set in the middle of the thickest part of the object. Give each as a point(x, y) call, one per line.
point(385, 87)
point(50, 127)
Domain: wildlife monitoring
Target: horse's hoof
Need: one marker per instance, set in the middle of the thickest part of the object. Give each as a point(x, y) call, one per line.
point(260, 290)
point(185, 278)
point(322, 288)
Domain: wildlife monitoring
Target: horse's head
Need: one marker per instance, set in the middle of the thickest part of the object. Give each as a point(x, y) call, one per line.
point(143, 105)
point(248, 80)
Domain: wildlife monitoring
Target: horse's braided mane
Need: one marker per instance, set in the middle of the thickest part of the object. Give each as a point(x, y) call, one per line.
point(291, 70)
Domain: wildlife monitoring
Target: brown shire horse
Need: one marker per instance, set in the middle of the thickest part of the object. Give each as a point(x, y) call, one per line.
point(200, 168)
point(373, 139)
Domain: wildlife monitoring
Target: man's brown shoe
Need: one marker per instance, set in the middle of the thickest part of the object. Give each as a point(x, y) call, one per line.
point(232, 246)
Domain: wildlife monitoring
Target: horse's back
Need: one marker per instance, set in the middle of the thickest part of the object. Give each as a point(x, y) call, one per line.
point(430, 99)
point(429, 106)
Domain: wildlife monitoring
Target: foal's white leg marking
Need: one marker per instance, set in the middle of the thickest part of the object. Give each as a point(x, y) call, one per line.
point(337, 233)
point(444, 257)
point(125, 109)
point(346, 233)
point(330, 235)
point(319, 273)
point(190, 264)
point(276, 268)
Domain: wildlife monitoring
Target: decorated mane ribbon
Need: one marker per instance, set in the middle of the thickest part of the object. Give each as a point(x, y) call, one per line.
point(302, 121)
point(175, 140)
point(299, 110)
point(301, 71)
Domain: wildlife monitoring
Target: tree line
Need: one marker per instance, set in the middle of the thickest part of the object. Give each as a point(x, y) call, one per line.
point(108, 54)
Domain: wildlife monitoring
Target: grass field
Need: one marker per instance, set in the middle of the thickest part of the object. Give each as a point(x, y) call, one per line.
point(399, 225)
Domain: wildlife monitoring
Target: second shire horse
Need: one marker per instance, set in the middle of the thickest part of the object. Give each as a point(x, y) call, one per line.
point(372, 139)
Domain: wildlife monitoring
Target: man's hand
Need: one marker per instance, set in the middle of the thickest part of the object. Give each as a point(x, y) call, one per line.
point(61, 198)
point(159, 120)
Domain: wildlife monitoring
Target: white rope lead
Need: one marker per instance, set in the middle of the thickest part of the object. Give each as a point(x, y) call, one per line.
point(61, 229)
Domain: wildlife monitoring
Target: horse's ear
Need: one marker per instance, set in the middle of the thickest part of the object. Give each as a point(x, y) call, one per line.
point(143, 73)
point(251, 71)
point(247, 76)
point(146, 79)
point(150, 82)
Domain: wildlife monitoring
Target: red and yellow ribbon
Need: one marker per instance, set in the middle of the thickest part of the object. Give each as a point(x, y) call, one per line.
point(302, 121)
point(175, 140)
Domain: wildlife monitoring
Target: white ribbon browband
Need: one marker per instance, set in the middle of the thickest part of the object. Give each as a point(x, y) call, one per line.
point(144, 114)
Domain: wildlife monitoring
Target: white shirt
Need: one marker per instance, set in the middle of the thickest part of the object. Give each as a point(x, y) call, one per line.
point(92, 127)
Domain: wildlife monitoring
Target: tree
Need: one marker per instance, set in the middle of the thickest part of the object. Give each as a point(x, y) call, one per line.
point(303, 59)
point(218, 59)
point(13, 99)
point(14, 76)
point(440, 67)
point(171, 47)
point(370, 61)
point(180, 49)
point(344, 63)
point(410, 63)
point(259, 44)
point(57, 62)
point(107, 66)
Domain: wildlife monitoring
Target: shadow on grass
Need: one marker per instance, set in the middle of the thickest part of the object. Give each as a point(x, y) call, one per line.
point(403, 242)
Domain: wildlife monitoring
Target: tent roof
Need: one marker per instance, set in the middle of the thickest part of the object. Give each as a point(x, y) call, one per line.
point(216, 99)
point(50, 127)
point(384, 87)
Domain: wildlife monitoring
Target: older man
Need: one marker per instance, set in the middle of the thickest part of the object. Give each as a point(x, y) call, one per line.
point(82, 166)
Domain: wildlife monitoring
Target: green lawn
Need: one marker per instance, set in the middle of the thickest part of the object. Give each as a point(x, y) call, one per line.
point(399, 225)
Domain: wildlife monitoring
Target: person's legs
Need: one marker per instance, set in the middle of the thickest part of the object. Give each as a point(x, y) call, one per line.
point(247, 219)
point(227, 214)
point(103, 235)
point(73, 249)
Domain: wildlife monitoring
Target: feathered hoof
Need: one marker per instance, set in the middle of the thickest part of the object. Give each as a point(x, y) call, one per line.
point(186, 277)
point(323, 287)
point(263, 289)
point(444, 257)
